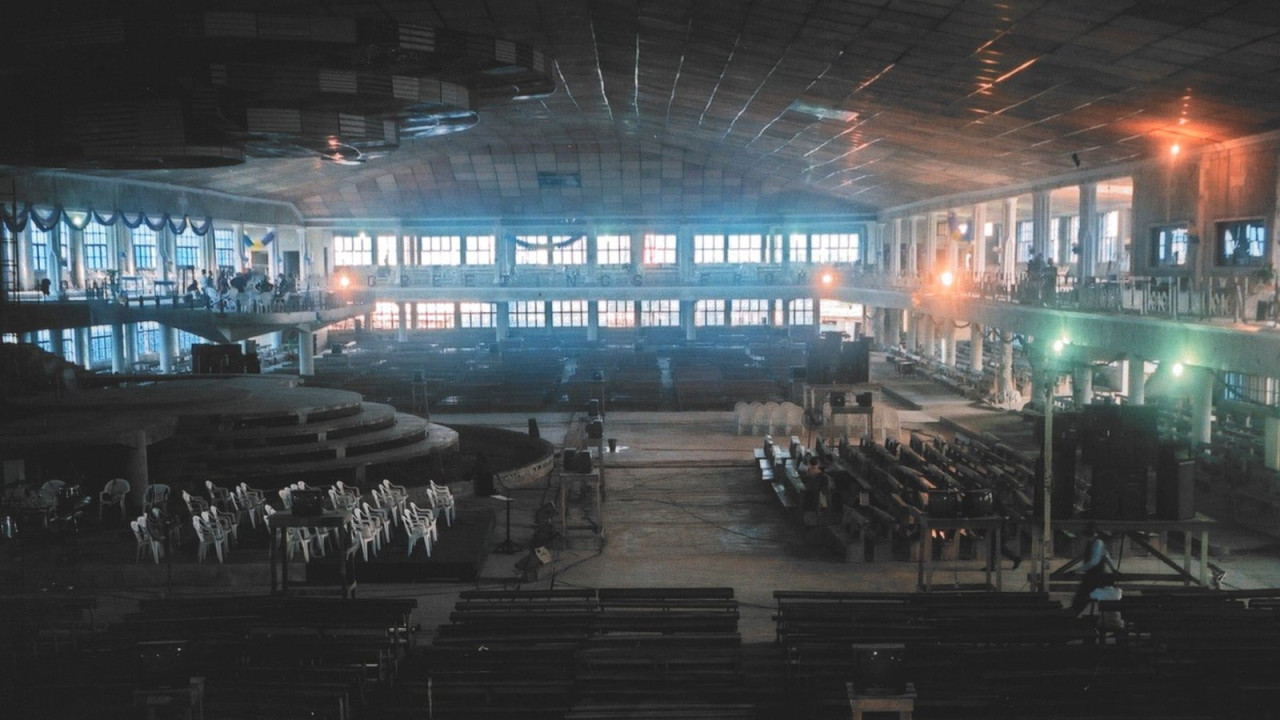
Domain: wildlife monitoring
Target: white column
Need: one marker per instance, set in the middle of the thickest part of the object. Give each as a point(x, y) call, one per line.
point(1201, 381)
point(1004, 381)
point(1082, 385)
point(1040, 223)
point(306, 353)
point(1137, 380)
point(1009, 243)
point(593, 320)
point(977, 234)
point(895, 249)
point(1088, 257)
point(402, 328)
point(949, 336)
point(913, 250)
point(931, 243)
point(975, 347)
point(168, 341)
point(117, 348)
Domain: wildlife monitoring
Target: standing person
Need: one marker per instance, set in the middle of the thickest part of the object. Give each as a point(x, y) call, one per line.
point(1097, 568)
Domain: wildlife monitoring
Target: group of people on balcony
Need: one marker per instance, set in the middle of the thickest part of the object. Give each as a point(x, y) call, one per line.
point(248, 290)
point(1042, 280)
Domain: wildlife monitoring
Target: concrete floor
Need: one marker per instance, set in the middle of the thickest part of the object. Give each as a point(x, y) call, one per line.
point(684, 507)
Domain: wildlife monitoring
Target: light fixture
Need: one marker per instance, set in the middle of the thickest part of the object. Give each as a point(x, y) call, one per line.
point(344, 281)
point(1178, 369)
point(946, 278)
point(1175, 149)
point(828, 278)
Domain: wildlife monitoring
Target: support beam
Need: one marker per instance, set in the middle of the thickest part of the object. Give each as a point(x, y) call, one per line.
point(1004, 378)
point(1202, 382)
point(1082, 385)
point(1040, 223)
point(168, 348)
point(1088, 238)
point(306, 353)
point(1137, 380)
point(976, 341)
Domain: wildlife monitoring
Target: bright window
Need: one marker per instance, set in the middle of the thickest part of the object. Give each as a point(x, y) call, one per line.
point(568, 313)
point(97, 248)
point(40, 242)
point(224, 248)
point(144, 247)
point(386, 245)
point(532, 250)
point(100, 345)
point(1109, 243)
point(707, 313)
point(659, 313)
point(798, 251)
point(440, 250)
point(527, 314)
point(44, 341)
point(801, 312)
point(749, 311)
point(351, 250)
point(187, 249)
point(616, 313)
point(386, 316)
point(569, 253)
point(659, 249)
point(481, 250)
point(834, 247)
point(146, 338)
point(613, 250)
point(708, 249)
point(746, 248)
point(435, 316)
point(478, 314)
point(1023, 249)
point(69, 346)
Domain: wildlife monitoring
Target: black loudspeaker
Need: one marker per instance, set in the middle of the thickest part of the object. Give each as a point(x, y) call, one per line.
point(1099, 433)
point(1104, 495)
point(533, 428)
point(569, 459)
point(1064, 485)
point(799, 372)
point(593, 407)
point(855, 362)
point(979, 503)
point(944, 504)
point(582, 462)
point(837, 399)
point(863, 399)
point(307, 503)
point(1175, 484)
point(595, 429)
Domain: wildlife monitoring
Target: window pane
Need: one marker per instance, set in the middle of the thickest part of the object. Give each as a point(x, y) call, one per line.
point(708, 249)
point(435, 316)
point(527, 314)
point(386, 316)
point(834, 247)
point(40, 242)
point(224, 248)
point(532, 250)
point(349, 250)
point(750, 311)
point(481, 250)
point(616, 313)
point(659, 313)
point(100, 345)
point(708, 313)
point(568, 313)
point(799, 249)
point(801, 312)
point(144, 247)
point(441, 250)
point(564, 252)
point(479, 314)
point(1242, 242)
point(97, 249)
point(613, 250)
point(1169, 246)
point(746, 248)
point(659, 249)
point(147, 338)
point(187, 250)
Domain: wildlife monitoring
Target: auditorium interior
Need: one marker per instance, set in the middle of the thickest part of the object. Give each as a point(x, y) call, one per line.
point(605, 359)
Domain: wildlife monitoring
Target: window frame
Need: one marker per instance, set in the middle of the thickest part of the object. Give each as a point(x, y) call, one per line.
point(1237, 260)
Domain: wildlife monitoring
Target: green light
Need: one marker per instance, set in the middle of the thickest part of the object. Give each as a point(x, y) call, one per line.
point(1177, 369)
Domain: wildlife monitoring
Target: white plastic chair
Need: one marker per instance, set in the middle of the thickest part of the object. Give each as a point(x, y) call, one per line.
point(218, 496)
point(740, 415)
point(229, 523)
point(144, 540)
point(418, 530)
point(209, 536)
point(442, 499)
point(195, 503)
point(426, 516)
point(251, 501)
point(286, 497)
point(364, 532)
point(770, 410)
point(156, 495)
point(114, 493)
point(381, 517)
point(759, 418)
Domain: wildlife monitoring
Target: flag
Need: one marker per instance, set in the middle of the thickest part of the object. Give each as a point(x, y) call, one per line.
point(954, 231)
point(252, 245)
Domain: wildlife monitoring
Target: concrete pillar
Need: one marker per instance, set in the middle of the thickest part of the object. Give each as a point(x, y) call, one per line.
point(503, 321)
point(168, 348)
point(1004, 377)
point(135, 470)
point(1201, 383)
point(1082, 385)
point(1009, 242)
point(402, 319)
point(931, 241)
point(928, 337)
point(118, 359)
point(1040, 223)
point(56, 346)
point(975, 347)
point(895, 249)
point(687, 314)
point(593, 321)
point(306, 353)
point(914, 336)
point(913, 250)
point(978, 246)
point(1088, 257)
point(1137, 380)
point(82, 347)
point(949, 336)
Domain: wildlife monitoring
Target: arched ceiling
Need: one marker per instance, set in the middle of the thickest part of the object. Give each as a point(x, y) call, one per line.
point(755, 107)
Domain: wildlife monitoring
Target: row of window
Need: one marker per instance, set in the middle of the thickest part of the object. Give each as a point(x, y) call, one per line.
point(101, 346)
point(1237, 243)
point(49, 247)
point(573, 313)
point(655, 249)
